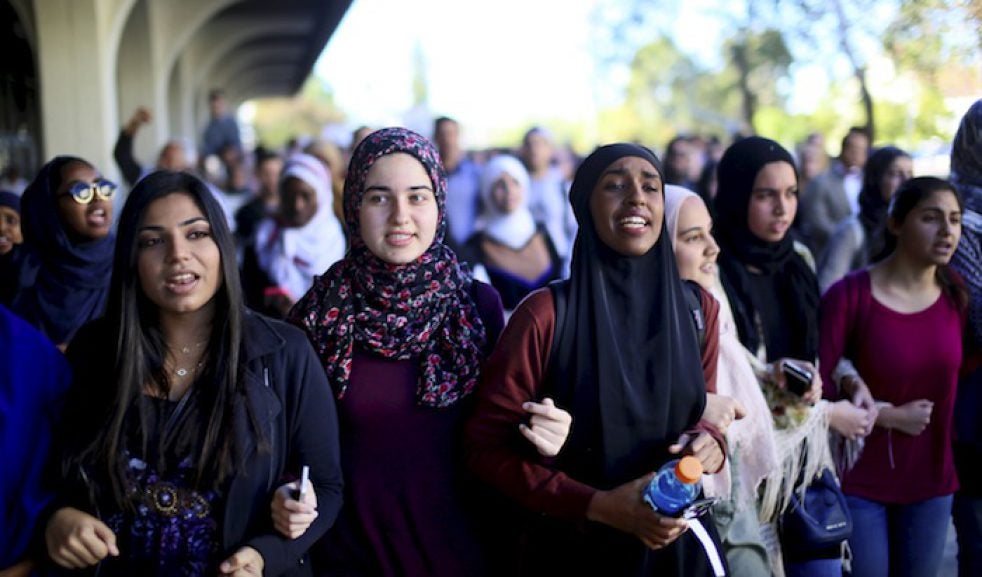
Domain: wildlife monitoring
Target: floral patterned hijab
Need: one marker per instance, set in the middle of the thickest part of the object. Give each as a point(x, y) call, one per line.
point(420, 310)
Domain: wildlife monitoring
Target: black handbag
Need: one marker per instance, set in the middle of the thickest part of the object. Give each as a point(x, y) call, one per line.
point(819, 521)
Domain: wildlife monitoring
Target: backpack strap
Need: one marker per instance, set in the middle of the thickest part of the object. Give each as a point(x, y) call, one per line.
point(693, 300)
point(560, 294)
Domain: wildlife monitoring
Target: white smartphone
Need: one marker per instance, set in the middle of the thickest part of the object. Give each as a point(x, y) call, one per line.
point(304, 481)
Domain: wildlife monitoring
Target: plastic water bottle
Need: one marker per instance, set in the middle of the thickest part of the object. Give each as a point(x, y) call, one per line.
point(675, 486)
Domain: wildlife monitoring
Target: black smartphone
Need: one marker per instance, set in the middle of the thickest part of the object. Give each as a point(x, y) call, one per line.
point(698, 508)
point(796, 379)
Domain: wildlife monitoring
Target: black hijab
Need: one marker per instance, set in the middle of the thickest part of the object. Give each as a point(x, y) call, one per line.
point(63, 284)
point(628, 363)
point(796, 286)
point(872, 207)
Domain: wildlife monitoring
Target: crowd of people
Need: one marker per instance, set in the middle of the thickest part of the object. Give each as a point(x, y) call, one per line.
point(405, 358)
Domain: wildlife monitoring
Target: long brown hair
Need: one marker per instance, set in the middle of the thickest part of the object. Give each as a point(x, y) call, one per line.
point(910, 194)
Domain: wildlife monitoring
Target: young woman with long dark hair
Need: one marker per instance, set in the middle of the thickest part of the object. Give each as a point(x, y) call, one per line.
point(187, 409)
point(900, 322)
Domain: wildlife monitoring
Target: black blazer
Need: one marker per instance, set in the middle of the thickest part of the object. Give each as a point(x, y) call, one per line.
point(294, 406)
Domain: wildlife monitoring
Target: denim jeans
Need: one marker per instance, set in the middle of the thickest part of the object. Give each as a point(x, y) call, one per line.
point(967, 513)
point(898, 540)
point(813, 568)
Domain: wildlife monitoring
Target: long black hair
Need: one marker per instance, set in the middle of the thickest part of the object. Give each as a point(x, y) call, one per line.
point(910, 194)
point(136, 357)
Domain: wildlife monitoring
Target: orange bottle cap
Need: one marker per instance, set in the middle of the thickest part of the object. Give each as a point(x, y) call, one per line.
point(688, 470)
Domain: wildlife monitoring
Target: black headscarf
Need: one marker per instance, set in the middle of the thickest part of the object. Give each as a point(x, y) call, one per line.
point(63, 284)
point(796, 283)
point(628, 362)
point(872, 207)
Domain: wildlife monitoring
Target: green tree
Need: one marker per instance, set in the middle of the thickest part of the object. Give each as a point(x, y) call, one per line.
point(934, 49)
point(932, 40)
point(759, 60)
point(669, 93)
point(278, 120)
point(669, 89)
point(927, 34)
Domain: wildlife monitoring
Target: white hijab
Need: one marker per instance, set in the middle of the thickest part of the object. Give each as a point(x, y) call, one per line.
point(751, 439)
point(292, 257)
point(516, 228)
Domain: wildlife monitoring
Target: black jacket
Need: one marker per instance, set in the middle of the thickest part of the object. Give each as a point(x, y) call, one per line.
point(293, 403)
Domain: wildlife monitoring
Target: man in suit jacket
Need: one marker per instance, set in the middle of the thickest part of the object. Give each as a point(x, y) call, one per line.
point(834, 194)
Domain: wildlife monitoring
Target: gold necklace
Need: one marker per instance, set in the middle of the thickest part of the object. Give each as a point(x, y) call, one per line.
point(186, 350)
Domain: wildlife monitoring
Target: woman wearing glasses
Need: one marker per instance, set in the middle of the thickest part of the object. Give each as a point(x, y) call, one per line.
point(66, 219)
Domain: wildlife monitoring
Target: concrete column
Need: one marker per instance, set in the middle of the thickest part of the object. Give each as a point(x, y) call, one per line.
point(75, 71)
point(135, 81)
point(182, 100)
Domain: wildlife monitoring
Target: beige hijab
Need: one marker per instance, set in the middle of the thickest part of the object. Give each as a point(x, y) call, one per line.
point(753, 450)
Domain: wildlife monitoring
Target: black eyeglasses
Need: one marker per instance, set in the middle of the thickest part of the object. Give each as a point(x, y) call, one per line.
point(86, 192)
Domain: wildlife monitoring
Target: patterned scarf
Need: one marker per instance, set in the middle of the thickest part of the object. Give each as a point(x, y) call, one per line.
point(966, 175)
point(422, 309)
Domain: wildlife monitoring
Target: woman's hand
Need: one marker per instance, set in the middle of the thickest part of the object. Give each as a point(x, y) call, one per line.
point(703, 447)
point(910, 418)
point(76, 539)
point(814, 392)
point(623, 508)
point(721, 410)
point(292, 518)
point(856, 389)
point(247, 562)
point(850, 420)
point(548, 428)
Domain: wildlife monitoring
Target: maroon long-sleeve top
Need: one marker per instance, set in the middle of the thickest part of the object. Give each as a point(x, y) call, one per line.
point(516, 373)
point(902, 357)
